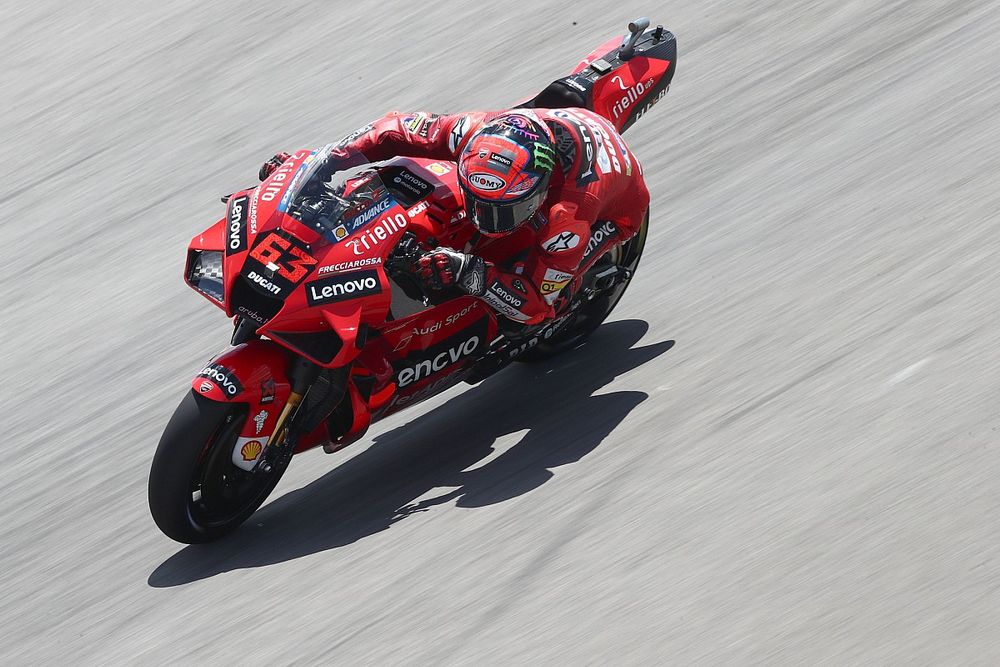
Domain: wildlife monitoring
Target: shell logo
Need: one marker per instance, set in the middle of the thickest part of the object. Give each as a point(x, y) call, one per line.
point(250, 450)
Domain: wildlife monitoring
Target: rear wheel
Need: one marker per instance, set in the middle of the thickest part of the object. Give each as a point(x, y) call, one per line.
point(596, 309)
point(196, 493)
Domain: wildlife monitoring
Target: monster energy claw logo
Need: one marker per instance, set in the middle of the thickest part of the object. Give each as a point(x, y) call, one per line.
point(544, 156)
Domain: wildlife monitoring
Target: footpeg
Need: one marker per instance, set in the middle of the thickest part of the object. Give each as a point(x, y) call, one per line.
point(610, 277)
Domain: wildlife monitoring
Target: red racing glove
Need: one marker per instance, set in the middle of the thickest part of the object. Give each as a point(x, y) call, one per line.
point(268, 167)
point(443, 268)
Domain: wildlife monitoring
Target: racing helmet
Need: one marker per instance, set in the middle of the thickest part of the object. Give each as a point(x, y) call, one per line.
point(504, 172)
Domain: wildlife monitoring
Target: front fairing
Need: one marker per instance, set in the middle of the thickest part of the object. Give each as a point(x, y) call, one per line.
point(302, 255)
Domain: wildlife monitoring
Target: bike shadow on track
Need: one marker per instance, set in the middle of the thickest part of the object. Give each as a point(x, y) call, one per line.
point(553, 400)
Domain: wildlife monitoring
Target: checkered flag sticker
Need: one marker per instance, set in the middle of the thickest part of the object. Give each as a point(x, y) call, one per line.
point(208, 266)
point(206, 274)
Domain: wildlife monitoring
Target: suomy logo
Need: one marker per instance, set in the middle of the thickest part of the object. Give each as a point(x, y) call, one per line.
point(488, 182)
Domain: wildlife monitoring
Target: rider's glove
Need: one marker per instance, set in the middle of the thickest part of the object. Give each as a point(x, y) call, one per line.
point(268, 167)
point(443, 268)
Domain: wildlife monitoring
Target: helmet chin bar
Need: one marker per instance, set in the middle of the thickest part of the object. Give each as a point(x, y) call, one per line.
point(500, 219)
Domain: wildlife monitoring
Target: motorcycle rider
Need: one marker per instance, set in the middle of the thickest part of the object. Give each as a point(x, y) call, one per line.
point(535, 181)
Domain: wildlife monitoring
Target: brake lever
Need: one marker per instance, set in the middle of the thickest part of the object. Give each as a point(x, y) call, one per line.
point(406, 252)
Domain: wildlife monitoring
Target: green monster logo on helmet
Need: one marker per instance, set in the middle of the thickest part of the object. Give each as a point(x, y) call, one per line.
point(543, 156)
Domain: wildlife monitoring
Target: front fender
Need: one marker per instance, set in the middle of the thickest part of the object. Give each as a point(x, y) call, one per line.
point(254, 373)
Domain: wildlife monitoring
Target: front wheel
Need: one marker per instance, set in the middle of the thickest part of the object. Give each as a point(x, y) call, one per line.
point(591, 314)
point(196, 493)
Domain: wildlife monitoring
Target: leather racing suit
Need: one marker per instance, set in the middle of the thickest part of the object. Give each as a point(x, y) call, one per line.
point(597, 179)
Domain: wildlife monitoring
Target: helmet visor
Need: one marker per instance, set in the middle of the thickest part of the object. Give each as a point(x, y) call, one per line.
point(499, 218)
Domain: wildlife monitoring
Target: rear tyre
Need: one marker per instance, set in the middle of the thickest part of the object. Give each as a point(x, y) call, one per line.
point(196, 493)
point(593, 313)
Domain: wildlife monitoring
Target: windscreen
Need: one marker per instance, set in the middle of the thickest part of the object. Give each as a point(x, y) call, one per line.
point(335, 204)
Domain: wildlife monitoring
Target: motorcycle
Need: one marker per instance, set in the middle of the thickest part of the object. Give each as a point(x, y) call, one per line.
point(331, 332)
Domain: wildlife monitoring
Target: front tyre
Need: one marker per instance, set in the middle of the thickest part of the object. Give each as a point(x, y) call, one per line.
point(196, 493)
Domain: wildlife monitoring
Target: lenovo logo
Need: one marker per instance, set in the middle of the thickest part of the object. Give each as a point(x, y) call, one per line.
point(451, 351)
point(223, 377)
point(343, 287)
point(236, 225)
point(440, 361)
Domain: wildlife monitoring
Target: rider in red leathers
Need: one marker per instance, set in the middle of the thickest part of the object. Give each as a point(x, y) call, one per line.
point(535, 183)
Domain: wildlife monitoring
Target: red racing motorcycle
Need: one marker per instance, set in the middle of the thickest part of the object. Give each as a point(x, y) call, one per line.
point(331, 330)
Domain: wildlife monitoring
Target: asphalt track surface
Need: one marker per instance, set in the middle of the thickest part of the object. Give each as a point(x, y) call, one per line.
point(782, 448)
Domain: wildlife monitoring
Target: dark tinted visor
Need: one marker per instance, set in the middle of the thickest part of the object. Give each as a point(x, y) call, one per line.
point(493, 218)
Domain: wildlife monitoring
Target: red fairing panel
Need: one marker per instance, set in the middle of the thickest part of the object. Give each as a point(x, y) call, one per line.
point(633, 84)
point(210, 239)
point(254, 373)
point(428, 350)
point(624, 90)
point(600, 52)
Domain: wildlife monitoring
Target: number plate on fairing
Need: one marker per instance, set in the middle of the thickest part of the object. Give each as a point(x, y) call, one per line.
point(277, 264)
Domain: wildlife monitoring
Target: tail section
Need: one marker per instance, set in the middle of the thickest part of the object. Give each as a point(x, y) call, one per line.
point(621, 79)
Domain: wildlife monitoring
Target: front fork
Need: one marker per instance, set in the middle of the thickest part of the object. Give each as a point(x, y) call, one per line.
point(282, 442)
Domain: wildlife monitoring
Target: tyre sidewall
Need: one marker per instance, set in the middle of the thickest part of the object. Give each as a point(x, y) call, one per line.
point(176, 463)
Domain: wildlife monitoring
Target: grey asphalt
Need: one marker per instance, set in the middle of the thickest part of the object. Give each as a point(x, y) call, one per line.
point(783, 449)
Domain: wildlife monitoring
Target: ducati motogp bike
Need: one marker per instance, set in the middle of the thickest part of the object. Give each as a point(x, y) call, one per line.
point(331, 331)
